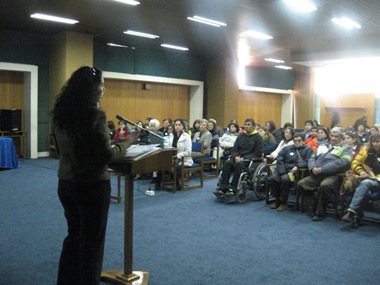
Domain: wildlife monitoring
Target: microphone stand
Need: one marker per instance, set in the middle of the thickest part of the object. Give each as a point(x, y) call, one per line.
point(120, 118)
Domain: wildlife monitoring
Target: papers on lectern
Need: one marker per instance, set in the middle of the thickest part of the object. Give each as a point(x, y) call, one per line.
point(135, 152)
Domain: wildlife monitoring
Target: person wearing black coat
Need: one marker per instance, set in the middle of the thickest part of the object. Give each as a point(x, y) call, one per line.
point(289, 160)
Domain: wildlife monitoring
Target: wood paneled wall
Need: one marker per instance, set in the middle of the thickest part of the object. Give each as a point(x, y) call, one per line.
point(350, 108)
point(11, 90)
point(260, 106)
point(130, 100)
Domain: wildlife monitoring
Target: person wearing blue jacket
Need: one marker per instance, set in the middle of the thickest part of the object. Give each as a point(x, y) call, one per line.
point(324, 167)
point(289, 160)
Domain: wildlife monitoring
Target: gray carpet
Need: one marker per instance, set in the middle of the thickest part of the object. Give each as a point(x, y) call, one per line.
point(184, 238)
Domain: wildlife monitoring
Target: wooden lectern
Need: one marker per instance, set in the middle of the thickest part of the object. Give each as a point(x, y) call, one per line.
point(157, 160)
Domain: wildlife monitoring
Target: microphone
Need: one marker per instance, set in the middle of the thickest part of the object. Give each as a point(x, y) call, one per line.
point(120, 118)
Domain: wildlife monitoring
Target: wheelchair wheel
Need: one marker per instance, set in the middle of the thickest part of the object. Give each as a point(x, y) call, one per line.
point(242, 189)
point(260, 180)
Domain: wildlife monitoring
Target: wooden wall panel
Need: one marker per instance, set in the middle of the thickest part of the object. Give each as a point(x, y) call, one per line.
point(260, 106)
point(11, 90)
point(130, 100)
point(350, 108)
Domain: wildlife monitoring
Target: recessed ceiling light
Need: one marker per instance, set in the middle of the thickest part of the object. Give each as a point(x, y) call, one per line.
point(53, 18)
point(129, 2)
point(283, 67)
point(207, 21)
point(346, 23)
point(258, 35)
point(303, 6)
point(140, 34)
point(174, 47)
point(274, 60)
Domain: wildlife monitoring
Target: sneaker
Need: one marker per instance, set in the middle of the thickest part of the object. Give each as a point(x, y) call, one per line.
point(348, 217)
point(218, 192)
point(282, 207)
point(230, 193)
point(275, 205)
point(317, 218)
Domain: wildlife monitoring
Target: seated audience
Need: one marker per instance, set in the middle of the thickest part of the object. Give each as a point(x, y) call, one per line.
point(374, 130)
point(214, 129)
point(314, 131)
point(351, 138)
point(288, 140)
point(320, 139)
point(111, 128)
point(271, 127)
point(269, 142)
point(195, 127)
point(370, 156)
point(315, 123)
point(228, 139)
point(324, 169)
point(308, 132)
point(289, 160)
point(248, 146)
point(203, 136)
point(360, 127)
point(121, 133)
point(165, 124)
point(181, 140)
point(170, 129)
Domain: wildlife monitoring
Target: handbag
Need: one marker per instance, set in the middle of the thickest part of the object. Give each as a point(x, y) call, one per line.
point(352, 180)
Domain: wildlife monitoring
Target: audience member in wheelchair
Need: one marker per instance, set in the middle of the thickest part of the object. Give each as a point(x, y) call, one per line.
point(289, 161)
point(351, 138)
point(369, 156)
point(324, 167)
point(247, 147)
point(269, 142)
point(226, 142)
point(288, 140)
point(321, 138)
point(203, 136)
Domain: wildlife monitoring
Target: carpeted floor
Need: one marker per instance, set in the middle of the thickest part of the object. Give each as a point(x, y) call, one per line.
point(184, 238)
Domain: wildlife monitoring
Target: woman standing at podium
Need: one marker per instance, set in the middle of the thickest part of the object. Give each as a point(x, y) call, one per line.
point(82, 142)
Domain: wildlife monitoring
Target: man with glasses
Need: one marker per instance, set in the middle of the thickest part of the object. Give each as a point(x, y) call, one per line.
point(289, 160)
point(324, 168)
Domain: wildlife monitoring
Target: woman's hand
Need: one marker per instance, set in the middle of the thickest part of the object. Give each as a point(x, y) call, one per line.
point(363, 174)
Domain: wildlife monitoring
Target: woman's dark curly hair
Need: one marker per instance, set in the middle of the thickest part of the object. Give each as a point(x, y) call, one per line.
point(77, 100)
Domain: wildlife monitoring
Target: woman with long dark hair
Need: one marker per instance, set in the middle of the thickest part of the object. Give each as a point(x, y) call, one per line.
point(82, 142)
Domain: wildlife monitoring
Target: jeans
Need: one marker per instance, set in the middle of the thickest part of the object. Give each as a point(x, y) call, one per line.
point(361, 192)
point(86, 211)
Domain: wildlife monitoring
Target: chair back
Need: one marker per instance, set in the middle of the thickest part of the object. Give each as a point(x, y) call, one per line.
point(196, 147)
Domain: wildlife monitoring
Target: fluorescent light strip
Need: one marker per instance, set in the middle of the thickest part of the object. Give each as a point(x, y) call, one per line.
point(302, 6)
point(258, 35)
point(283, 67)
point(139, 34)
point(116, 45)
point(53, 18)
point(346, 23)
point(275, 60)
point(129, 2)
point(174, 47)
point(207, 21)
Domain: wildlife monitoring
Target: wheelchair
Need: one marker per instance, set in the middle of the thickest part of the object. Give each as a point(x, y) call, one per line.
point(253, 179)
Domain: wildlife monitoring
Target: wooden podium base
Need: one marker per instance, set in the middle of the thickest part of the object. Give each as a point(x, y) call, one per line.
point(118, 277)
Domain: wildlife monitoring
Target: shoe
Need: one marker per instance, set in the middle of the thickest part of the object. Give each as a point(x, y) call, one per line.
point(218, 192)
point(355, 222)
point(317, 218)
point(230, 193)
point(275, 205)
point(348, 217)
point(282, 207)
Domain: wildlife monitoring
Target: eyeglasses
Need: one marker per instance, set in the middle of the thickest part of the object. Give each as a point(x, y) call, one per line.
point(297, 141)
